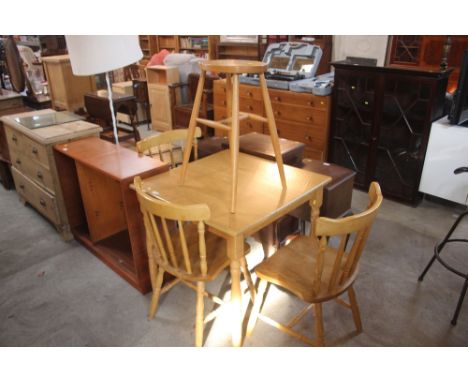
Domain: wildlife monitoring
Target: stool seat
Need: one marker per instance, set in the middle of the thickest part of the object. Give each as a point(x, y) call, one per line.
point(234, 66)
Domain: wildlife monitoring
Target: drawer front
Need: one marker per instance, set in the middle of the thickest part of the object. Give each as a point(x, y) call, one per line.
point(299, 114)
point(219, 100)
point(251, 106)
point(314, 154)
point(250, 92)
point(246, 126)
point(15, 140)
point(219, 88)
point(11, 103)
point(19, 143)
point(312, 136)
point(299, 99)
point(35, 171)
point(36, 196)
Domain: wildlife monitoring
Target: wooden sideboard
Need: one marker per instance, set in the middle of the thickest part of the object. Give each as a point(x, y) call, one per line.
point(102, 210)
point(66, 90)
point(300, 117)
point(33, 164)
point(381, 121)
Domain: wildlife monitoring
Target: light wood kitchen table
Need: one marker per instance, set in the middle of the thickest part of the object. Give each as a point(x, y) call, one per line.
point(261, 200)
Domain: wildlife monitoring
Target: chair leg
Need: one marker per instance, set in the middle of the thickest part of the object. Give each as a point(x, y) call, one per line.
point(460, 303)
point(272, 128)
point(199, 314)
point(156, 293)
point(355, 309)
point(319, 336)
point(234, 140)
point(429, 265)
point(256, 307)
point(192, 125)
point(248, 278)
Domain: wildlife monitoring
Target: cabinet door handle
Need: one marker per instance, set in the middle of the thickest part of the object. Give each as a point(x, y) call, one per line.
point(42, 202)
point(39, 175)
point(13, 138)
point(34, 150)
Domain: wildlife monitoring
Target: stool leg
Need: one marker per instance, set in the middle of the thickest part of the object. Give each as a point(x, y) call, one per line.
point(460, 303)
point(272, 128)
point(421, 276)
point(234, 140)
point(192, 125)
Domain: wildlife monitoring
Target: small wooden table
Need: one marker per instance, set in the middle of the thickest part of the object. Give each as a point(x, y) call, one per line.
point(260, 145)
point(261, 200)
point(103, 212)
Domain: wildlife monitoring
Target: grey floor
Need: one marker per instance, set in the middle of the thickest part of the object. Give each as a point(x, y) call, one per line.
point(54, 293)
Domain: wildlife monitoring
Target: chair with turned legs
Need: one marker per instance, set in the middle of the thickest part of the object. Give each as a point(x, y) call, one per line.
point(232, 69)
point(178, 244)
point(315, 270)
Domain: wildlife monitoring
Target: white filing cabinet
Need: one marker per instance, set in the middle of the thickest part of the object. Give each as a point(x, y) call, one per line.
point(447, 150)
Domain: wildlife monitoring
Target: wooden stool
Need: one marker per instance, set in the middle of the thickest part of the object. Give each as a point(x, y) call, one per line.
point(232, 69)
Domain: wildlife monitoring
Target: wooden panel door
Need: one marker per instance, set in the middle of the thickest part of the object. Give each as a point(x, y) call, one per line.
point(160, 103)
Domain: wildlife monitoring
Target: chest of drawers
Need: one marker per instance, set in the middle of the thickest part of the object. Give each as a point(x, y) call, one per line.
point(33, 164)
point(299, 116)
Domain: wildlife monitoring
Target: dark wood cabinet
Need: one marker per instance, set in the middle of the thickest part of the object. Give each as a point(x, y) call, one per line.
point(381, 119)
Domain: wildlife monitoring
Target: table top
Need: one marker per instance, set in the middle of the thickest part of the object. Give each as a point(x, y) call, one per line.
point(116, 97)
point(260, 145)
point(260, 196)
point(54, 133)
point(112, 160)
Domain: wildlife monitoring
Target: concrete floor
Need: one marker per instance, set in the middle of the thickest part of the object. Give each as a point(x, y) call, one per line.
point(54, 293)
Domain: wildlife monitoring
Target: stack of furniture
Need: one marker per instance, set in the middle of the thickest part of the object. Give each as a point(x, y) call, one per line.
point(299, 116)
point(33, 163)
point(381, 122)
point(66, 90)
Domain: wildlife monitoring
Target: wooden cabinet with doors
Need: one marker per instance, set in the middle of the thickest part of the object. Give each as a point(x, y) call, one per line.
point(159, 78)
point(381, 122)
point(66, 90)
point(300, 117)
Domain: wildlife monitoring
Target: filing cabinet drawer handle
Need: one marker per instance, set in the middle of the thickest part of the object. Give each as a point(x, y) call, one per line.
point(34, 150)
point(14, 139)
point(42, 202)
point(39, 175)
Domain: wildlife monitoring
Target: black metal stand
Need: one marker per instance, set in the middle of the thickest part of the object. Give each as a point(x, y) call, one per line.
point(437, 250)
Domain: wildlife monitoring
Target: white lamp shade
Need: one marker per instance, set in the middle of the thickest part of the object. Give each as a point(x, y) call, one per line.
point(99, 54)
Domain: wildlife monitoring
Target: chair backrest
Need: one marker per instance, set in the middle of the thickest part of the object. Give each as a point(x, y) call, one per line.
point(336, 267)
point(154, 144)
point(168, 243)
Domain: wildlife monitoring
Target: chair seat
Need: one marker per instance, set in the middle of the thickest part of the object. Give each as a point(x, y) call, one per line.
point(216, 254)
point(293, 267)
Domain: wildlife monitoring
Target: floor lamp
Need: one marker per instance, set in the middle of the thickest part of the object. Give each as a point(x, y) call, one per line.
point(90, 55)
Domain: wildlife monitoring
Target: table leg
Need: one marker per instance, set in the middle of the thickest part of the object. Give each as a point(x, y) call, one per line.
point(235, 250)
point(315, 204)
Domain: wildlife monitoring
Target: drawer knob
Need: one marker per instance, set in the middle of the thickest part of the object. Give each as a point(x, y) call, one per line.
point(18, 162)
point(21, 186)
point(249, 94)
point(250, 107)
point(322, 103)
point(278, 99)
point(278, 113)
point(310, 103)
point(14, 139)
point(39, 175)
point(34, 150)
point(308, 137)
point(309, 119)
point(224, 103)
point(42, 202)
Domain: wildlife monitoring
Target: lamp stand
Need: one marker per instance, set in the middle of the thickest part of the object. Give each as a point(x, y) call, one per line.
point(111, 105)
